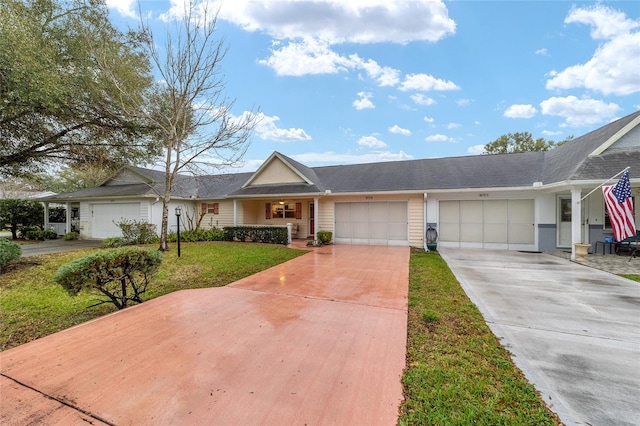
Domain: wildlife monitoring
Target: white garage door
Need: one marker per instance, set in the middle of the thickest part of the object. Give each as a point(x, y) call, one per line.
point(105, 216)
point(379, 223)
point(499, 224)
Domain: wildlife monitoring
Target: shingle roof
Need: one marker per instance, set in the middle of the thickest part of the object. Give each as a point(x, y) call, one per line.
point(570, 161)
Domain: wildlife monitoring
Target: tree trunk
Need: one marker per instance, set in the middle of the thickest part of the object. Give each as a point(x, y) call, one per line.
point(168, 185)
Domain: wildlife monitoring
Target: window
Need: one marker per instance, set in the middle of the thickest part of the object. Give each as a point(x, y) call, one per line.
point(211, 208)
point(283, 211)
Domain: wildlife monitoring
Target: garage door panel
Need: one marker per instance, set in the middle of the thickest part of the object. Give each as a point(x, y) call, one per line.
point(488, 223)
point(380, 223)
point(471, 212)
point(472, 232)
point(495, 233)
point(105, 217)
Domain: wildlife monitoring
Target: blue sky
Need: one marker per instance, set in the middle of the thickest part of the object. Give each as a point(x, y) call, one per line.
point(341, 82)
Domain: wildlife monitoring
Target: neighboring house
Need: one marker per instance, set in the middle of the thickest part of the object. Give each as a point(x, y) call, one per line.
point(523, 201)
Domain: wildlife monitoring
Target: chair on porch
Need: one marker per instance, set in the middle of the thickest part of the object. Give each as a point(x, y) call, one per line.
point(629, 245)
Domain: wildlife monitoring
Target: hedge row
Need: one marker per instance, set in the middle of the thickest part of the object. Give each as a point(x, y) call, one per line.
point(261, 234)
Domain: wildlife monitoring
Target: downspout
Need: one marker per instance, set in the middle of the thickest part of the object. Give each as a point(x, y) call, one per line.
point(424, 223)
point(316, 215)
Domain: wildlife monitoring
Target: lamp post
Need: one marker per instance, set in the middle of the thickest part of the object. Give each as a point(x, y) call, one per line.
point(178, 213)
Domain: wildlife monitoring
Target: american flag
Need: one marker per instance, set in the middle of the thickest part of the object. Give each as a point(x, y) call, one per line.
point(620, 207)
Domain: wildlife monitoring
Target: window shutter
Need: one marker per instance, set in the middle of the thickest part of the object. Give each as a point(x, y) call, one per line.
point(216, 208)
point(267, 211)
point(203, 208)
point(298, 211)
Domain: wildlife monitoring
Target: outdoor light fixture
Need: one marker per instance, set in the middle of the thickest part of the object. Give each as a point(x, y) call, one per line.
point(178, 213)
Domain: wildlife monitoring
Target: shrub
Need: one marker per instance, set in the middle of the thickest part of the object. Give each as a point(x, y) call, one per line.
point(121, 274)
point(137, 232)
point(213, 234)
point(8, 251)
point(70, 236)
point(114, 242)
point(325, 237)
point(49, 234)
point(16, 214)
point(263, 234)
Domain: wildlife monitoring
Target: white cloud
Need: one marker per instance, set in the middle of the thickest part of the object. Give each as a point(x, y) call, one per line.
point(429, 119)
point(385, 76)
point(421, 99)
point(123, 7)
point(551, 133)
point(339, 21)
point(521, 111)
point(476, 150)
point(399, 130)
point(371, 142)
point(579, 112)
point(613, 69)
point(605, 22)
point(425, 83)
point(364, 102)
point(542, 52)
point(453, 125)
point(463, 102)
point(439, 138)
point(267, 129)
point(305, 57)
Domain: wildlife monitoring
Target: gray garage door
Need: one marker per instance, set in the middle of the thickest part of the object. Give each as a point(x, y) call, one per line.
point(376, 223)
point(499, 224)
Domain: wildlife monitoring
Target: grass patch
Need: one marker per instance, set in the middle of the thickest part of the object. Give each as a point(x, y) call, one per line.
point(457, 372)
point(32, 305)
point(632, 277)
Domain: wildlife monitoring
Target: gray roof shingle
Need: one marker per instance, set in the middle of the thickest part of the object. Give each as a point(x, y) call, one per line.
point(570, 161)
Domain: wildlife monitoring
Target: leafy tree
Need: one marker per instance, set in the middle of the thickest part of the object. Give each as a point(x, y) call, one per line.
point(16, 214)
point(121, 274)
point(62, 67)
point(189, 110)
point(518, 142)
point(74, 178)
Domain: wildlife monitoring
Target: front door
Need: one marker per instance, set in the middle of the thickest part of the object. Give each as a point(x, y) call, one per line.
point(564, 222)
point(312, 220)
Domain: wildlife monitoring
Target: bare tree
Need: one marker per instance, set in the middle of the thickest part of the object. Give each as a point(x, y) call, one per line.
point(188, 107)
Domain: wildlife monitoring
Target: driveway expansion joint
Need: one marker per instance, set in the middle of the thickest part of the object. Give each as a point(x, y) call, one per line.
point(59, 400)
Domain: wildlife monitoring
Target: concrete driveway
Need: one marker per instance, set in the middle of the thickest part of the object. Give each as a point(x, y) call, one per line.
point(57, 246)
point(320, 339)
point(574, 331)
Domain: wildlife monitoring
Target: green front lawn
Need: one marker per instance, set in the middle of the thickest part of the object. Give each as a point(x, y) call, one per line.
point(33, 306)
point(457, 372)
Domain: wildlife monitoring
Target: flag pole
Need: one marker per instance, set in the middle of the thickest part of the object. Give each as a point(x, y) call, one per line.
point(605, 182)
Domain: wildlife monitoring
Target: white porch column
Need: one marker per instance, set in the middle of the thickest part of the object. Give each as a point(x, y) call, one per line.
point(235, 213)
point(316, 209)
point(46, 215)
point(67, 225)
point(576, 220)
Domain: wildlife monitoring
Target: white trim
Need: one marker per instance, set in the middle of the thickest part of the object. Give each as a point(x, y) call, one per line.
point(615, 138)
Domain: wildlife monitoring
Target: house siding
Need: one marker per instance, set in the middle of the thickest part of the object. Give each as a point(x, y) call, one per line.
point(276, 172)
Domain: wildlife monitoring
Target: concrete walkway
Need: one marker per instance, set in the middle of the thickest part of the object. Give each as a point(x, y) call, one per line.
point(320, 339)
point(573, 330)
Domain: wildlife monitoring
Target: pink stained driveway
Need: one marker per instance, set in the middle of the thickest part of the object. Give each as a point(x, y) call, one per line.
point(318, 340)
